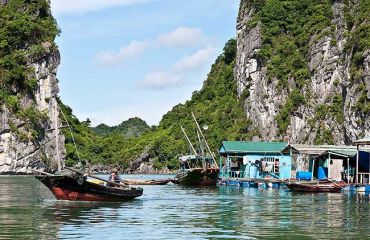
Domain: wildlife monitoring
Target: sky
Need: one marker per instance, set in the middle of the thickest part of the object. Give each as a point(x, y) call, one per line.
point(137, 58)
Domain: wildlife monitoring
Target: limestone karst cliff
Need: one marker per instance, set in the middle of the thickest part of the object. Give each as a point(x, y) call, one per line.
point(29, 130)
point(302, 69)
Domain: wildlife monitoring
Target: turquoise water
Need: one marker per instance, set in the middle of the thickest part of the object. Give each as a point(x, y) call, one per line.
point(29, 211)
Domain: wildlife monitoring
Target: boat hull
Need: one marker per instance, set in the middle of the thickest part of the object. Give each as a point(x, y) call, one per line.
point(68, 188)
point(197, 177)
point(317, 187)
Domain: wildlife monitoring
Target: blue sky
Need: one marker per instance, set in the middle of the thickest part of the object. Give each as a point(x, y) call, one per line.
point(128, 58)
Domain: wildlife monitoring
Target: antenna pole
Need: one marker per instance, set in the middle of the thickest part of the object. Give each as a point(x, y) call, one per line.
point(187, 138)
point(201, 133)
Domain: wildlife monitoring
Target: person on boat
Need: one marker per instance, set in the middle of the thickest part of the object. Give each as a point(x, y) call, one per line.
point(114, 177)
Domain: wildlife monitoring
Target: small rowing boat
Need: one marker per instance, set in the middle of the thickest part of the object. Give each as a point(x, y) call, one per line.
point(315, 186)
point(146, 182)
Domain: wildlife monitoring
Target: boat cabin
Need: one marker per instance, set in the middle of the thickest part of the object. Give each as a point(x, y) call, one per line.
point(194, 161)
point(251, 160)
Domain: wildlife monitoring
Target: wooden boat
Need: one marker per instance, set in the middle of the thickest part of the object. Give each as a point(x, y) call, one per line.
point(315, 186)
point(199, 169)
point(146, 182)
point(196, 176)
point(65, 187)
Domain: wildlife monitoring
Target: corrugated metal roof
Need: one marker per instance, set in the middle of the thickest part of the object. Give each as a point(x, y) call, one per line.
point(364, 140)
point(251, 147)
point(343, 153)
point(316, 149)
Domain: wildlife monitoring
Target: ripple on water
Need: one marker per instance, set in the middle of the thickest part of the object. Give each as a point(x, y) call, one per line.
point(28, 210)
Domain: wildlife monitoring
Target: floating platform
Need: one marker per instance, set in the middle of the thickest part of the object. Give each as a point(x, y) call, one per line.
point(252, 182)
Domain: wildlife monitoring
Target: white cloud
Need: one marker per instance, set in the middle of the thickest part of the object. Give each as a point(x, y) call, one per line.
point(160, 80)
point(82, 6)
point(132, 50)
point(182, 37)
point(176, 75)
point(197, 60)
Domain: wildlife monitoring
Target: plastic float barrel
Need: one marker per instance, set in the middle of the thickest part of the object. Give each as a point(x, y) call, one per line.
point(367, 188)
point(303, 175)
point(244, 184)
point(322, 173)
point(253, 172)
point(232, 183)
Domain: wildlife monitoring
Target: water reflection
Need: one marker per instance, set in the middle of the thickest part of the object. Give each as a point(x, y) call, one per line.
point(28, 210)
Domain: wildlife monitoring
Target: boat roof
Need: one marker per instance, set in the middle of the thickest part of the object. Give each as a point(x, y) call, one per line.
point(251, 147)
point(187, 157)
point(191, 157)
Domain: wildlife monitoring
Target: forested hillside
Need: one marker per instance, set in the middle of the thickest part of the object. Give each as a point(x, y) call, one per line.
point(133, 127)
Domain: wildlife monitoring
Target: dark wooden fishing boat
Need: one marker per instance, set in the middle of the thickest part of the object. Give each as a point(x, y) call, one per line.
point(146, 182)
point(197, 177)
point(199, 169)
point(316, 186)
point(79, 189)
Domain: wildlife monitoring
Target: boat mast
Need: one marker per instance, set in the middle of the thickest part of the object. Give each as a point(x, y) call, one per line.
point(187, 138)
point(205, 141)
point(201, 150)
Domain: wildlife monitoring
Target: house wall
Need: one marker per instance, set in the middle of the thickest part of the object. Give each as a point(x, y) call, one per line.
point(249, 169)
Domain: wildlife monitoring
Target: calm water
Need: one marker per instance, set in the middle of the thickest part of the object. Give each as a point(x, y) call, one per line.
point(28, 211)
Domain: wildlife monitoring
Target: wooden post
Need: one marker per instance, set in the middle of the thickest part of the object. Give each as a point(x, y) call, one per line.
point(357, 159)
point(220, 170)
point(329, 163)
point(228, 166)
point(313, 168)
point(347, 170)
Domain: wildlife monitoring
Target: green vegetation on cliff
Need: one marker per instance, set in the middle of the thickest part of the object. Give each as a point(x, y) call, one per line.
point(25, 26)
point(357, 17)
point(286, 29)
point(215, 105)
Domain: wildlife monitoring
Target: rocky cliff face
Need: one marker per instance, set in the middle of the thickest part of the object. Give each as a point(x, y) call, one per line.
point(22, 147)
point(22, 156)
point(334, 98)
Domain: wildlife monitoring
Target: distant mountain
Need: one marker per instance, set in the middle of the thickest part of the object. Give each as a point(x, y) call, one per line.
point(133, 127)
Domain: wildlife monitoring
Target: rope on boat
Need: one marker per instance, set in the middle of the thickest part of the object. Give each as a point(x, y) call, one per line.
point(70, 130)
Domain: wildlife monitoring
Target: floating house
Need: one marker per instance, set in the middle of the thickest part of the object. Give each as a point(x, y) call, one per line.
point(303, 154)
point(363, 161)
point(254, 160)
point(339, 165)
point(332, 161)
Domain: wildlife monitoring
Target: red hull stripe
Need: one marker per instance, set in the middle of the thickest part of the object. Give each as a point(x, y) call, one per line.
point(63, 194)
